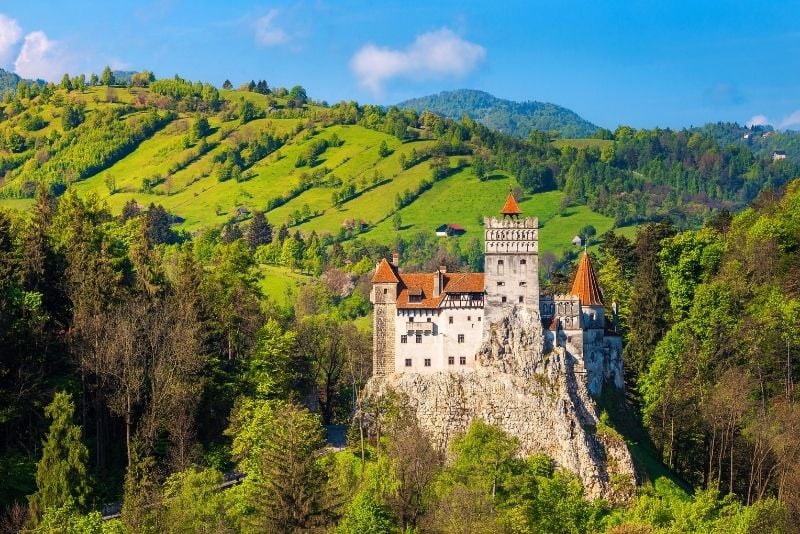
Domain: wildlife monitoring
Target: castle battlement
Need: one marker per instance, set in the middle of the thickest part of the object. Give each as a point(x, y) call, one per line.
point(428, 322)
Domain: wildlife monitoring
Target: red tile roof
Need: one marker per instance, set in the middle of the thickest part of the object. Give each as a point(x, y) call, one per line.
point(464, 283)
point(511, 207)
point(586, 286)
point(385, 273)
point(421, 284)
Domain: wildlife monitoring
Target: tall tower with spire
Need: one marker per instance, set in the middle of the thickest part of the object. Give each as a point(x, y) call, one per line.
point(511, 262)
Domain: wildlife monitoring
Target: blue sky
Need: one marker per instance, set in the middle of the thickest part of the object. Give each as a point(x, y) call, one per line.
point(645, 64)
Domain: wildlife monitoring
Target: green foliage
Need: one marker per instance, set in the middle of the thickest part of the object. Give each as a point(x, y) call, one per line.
point(61, 475)
point(686, 260)
point(193, 503)
point(365, 516)
point(270, 373)
point(516, 118)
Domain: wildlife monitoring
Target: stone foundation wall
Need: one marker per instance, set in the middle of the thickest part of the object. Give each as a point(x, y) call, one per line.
point(534, 396)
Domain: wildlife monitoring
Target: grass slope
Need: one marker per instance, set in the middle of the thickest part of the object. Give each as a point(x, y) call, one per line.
point(196, 195)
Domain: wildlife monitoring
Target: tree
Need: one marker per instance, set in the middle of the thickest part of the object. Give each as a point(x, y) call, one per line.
point(384, 150)
point(107, 78)
point(61, 474)
point(397, 221)
point(66, 83)
point(298, 94)
point(650, 303)
point(72, 116)
point(280, 446)
point(94, 80)
point(158, 225)
point(260, 230)
point(227, 85)
point(201, 128)
point(365, 516)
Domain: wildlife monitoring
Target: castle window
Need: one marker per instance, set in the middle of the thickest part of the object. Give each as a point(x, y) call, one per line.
point(450, 319)
point(523, 262)
point(419, 338)
point(427, 362)
point(462, 360)
point(500, 267)
point(385, 290)
point(410, 319)
point(451, 360)
point(523, 284)
point(469, 317)
point(503, 299)
point(408, 362)
point(520, 298)
point(500, 283)
point(460, 338)
point(429, 319)
point(479, 319)
point(403, 339)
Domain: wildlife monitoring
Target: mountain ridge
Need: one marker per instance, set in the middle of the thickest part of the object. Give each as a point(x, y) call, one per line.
point(508, 116)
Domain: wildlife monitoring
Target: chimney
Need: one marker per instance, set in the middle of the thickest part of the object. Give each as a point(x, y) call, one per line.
point(396, 258)
point(438, 281)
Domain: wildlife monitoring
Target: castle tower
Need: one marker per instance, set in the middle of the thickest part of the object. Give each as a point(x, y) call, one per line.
point(587, 288)
point(384, 298)
point(511, 262)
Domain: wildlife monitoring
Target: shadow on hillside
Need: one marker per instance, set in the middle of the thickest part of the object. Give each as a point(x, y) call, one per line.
point(624, 418)
point(495, 176)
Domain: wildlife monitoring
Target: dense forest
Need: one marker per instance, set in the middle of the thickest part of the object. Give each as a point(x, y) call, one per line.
point(514, 118)
point(147, 366)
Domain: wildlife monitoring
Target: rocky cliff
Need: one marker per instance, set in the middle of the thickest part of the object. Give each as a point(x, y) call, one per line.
point(541, 399)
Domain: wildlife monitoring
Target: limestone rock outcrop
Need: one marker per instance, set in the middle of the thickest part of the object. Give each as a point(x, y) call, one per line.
point(540, 398)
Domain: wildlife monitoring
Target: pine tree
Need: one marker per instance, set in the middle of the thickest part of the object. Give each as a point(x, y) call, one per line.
point(260, 230)
point(291, 481)
point(61, 475)
point(227, 85)
point(650, 304)
point(107, 78)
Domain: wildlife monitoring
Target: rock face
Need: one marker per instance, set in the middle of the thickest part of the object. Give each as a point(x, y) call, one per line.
point(539, 398)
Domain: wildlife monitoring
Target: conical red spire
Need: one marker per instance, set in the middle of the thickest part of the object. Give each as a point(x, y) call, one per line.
point(511, 207)
point(585, 285)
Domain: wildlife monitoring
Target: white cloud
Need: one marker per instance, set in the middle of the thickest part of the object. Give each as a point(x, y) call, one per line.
point(790, 121)
point(267, 33)
point(757, 120)
point(432, 55)
point(41, 58)
point(10, 34)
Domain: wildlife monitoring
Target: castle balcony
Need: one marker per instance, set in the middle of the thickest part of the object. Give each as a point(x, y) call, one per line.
point(426, 327)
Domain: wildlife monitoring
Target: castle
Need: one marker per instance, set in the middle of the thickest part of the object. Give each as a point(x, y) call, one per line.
point(428, 322)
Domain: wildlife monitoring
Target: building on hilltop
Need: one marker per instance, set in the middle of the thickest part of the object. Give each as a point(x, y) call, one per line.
point(428, 322)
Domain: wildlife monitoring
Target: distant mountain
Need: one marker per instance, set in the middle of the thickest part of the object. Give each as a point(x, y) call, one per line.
point(8, 81)
point(514, 118)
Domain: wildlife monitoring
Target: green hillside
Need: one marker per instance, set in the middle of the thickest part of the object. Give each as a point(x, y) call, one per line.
point(167, 164)
point(514, 118)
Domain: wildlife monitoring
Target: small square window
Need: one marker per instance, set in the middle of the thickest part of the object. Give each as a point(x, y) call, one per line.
point(462, 360)
point(385, 290)
point(427, 362)
point(503, 299)
point(499, 283)
point(523, 284)
point(408, 362)
point(451, 360)
point(419, 338)
point(429, 319)
point(479, 319)
point(450, 319)
point(469, 317)
point(410, 319)
point(520, 298)
point(460, 338)
point(522, 262)
point(403, 339)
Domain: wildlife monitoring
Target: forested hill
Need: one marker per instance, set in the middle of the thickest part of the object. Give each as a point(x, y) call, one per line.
point(507, 116)
point(8, 81)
